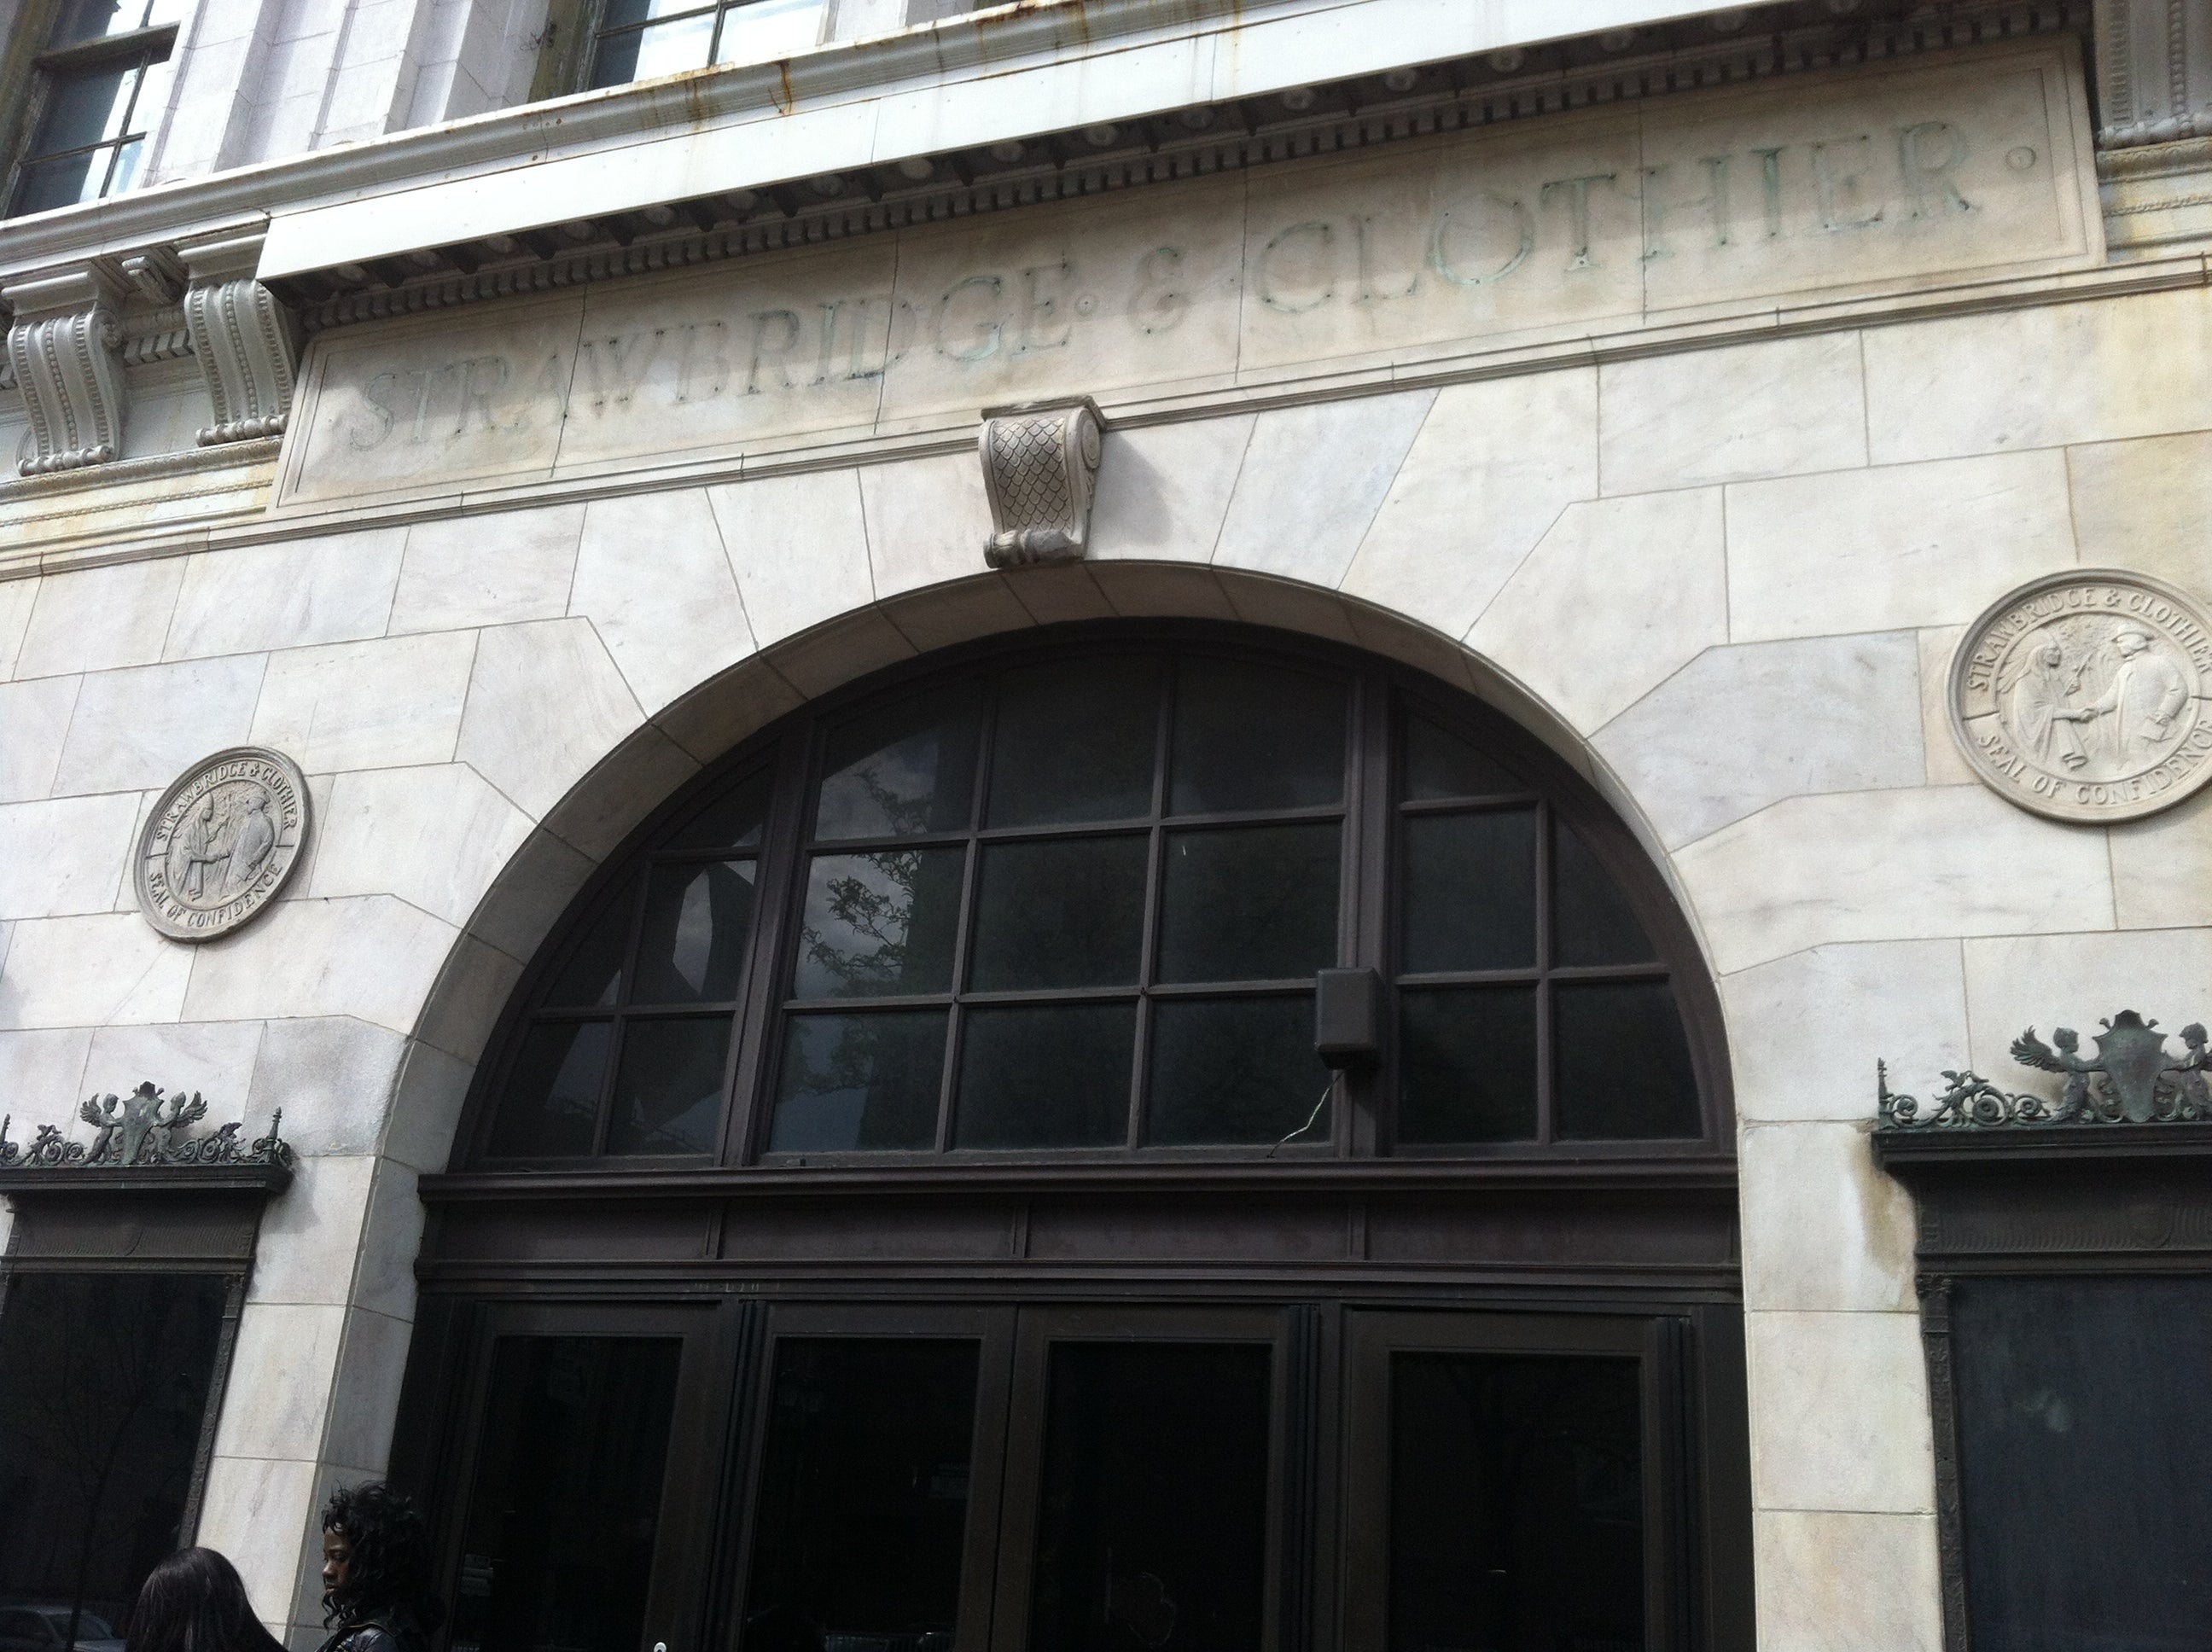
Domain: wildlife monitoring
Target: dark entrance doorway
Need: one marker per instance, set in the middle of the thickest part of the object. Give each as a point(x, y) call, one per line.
point(1071, 1477)
point(906, 1209)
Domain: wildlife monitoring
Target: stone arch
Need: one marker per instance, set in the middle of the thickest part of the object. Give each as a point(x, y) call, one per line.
point(632, 778)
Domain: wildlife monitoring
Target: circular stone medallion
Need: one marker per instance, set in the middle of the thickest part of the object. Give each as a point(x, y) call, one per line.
point(221, 843)
point(2082, 696)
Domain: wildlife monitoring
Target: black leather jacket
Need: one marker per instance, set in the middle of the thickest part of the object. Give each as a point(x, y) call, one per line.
point(372, 1637)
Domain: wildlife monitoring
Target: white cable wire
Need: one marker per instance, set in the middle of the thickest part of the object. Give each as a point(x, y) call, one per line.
point(1310, 1117)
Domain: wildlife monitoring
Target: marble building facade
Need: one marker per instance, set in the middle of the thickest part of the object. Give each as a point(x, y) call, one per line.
point(1682, 381)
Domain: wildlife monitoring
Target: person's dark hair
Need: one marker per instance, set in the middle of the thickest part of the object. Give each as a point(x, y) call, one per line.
point(193, 1601)
point(389, 1576)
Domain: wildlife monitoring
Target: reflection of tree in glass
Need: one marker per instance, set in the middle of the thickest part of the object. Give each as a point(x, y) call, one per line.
point(107, 1387)
point(859, 928)
point(877, 909)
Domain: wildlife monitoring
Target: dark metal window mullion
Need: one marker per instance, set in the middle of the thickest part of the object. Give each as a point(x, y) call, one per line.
point(1546, 1065)
point(956, 1023)
point(1371, 831)
point(757, 1033)
point(641, 885)
point(1141, 1059)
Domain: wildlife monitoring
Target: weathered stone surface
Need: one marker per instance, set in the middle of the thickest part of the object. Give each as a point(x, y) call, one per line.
point(1872, 181)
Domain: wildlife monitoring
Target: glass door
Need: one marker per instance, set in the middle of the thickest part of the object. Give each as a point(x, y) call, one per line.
point(588, 1479)
point(878, 1437)
point(1143, 1455)
point(1502, 1490)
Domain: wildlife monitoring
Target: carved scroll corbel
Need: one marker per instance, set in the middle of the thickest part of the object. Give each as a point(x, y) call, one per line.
point(65, 346)
point(2154, 71)
point(1040, 461)
point(247, 344)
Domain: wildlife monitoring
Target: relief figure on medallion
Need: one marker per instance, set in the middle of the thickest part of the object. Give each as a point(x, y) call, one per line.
point(2091, 701)
point(222, 845)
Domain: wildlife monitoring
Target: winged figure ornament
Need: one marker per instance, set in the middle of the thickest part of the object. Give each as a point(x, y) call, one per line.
point(2130, 1078)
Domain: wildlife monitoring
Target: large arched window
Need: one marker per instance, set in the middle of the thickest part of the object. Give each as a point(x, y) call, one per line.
point(1070, 897)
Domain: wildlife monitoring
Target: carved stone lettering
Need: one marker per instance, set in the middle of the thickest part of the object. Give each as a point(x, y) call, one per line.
point(2082, 696)
point(221, 843)
point(1548, 229)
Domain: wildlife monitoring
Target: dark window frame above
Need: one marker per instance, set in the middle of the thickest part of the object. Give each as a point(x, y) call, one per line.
point(166, 1231)
point(44, 71)
point(2117, 1204)
point(1372, 815)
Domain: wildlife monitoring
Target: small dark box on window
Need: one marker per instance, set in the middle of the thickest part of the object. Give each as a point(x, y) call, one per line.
point(1345, 1003)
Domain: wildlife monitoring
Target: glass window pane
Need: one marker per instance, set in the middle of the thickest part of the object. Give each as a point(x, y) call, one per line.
point(591, 975)
point(2079, 1412)
point(622, 14)
point(879, 923)
point(614, 61)
point(84, 108)
point(732, 820)
point(1591, 920)
point(761, 29)
point(1516, 1501)
point(1622, 1064)
point(124, 172)
point(857, 1082)
point(1466, 1064)
point(1040, 776)
point(1255, 737)
point(79, 20)
point(909, 767)
point(1469, 891)
point(1236, 1071)
point(1051, 1075)
point(1441, 765)
point(674, 48)
point(1152, 1518)
point(104, 1383)
point(1252, 904)
point(697, 918)
point(557, 1544)
point(552, 1102)
point(863, 1504)
point(668, 1091)
point(1069, 913)
point(43, 185)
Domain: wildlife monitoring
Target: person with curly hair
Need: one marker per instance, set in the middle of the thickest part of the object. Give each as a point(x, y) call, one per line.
point(376, 1572)
point(194, 1601)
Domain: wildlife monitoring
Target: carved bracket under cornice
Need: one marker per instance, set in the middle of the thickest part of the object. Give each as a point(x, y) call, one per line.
point(65, 345)
point(1040, 461)
point(246, 341)
point(2154, 71)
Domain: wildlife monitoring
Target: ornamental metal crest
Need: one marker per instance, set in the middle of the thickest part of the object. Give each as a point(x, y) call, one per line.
point(149, 1126)
point(2133, 1078)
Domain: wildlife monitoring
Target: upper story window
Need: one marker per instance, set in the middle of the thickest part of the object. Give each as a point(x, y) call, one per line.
point(100, 85)
point(1073, 901)
point(638, 39)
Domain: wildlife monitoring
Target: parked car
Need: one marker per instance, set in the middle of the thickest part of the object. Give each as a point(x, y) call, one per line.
point(34, 1626)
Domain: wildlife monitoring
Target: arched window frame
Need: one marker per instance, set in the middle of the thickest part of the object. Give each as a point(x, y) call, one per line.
point(1380, 693)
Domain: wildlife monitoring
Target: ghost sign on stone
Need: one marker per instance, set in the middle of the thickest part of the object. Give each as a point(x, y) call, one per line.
point(220, 844)
point(2083, 696)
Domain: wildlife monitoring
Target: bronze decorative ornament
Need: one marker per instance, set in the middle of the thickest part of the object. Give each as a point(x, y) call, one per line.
point(2132, 1076)
point(148, 1128)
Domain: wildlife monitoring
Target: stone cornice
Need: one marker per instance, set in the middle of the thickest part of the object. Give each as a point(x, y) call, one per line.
point(314, 203)
point(992, 42)
point(23, 503)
